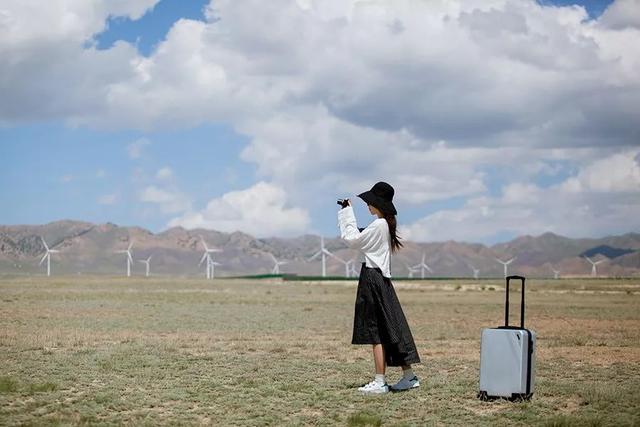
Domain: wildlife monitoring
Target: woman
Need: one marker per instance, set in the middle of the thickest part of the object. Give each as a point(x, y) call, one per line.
point(379, 319)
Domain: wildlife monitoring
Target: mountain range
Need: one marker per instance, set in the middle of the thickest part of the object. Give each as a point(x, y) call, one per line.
point(87, 248)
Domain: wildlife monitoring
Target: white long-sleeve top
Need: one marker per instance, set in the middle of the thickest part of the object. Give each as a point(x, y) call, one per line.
point(374, 241)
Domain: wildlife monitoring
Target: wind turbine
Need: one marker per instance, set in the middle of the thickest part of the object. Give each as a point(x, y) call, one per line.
point(594, 271)
point(129, 258)
point(505, 264)
point(423, 266)
point(210, 272)
point(277, 264)
point(212, 267)
point(556, 273)
point(347, 264)
point(351, 266)
point(322, 252)
point(146, 263)
point(47, 256)
point(476, 271)
point(412, 270)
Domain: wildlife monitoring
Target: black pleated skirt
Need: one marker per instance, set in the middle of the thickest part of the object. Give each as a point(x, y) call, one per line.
point(379, 319)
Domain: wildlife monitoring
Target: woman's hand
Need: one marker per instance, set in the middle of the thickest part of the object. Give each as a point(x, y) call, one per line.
point(344, 203)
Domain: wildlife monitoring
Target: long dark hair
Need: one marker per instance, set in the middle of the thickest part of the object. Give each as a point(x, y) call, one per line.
point(396, 244)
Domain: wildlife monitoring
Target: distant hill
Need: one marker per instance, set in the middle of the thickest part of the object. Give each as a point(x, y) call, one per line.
point(87, 248)
point(607, 251)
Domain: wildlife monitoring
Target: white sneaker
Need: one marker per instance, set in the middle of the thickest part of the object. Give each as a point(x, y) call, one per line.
point(406, 384)
point(374, 387)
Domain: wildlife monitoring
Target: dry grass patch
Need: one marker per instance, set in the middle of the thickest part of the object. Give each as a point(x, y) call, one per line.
point(116, 351)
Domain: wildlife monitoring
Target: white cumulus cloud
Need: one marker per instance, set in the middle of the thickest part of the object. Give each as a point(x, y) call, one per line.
point(260, 210)
point(622, 14)
point(603, 198)
point(617, 173)
point(169, 201)
point(441, 98)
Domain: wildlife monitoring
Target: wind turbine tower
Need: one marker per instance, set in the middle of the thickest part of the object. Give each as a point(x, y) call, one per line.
point(423, 266)
point(411, 270)
point(505, 264)
point(594, 271)
point(212, 268)
point(347, 264)
point(146, 262)
point(210, 265)
point(323, 252)
point(352, 266)
point(47, 256)
point(276, 264)
point(476, 271)
point(129, 258)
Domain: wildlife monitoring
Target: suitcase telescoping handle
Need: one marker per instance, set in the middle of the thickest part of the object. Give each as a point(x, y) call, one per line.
point(506, 308)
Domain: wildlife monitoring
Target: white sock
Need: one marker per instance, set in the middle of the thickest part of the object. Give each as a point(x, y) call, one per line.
point(379, 378)
point(408, 373)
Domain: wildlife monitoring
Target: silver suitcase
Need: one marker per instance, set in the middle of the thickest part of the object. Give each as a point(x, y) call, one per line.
point(508, 357)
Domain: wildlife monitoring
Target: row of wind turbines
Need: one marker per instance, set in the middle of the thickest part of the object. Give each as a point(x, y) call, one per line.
point(323, 253)
point(206, 257)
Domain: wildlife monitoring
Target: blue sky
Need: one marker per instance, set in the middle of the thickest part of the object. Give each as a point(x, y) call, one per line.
point(67, 170)
point(160, 164)
point(147, 31)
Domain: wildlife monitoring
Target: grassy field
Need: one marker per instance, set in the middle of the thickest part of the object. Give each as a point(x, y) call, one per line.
point(185, 351)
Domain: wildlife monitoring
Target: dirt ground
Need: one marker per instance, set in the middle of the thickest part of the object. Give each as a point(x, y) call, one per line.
point(239, 352)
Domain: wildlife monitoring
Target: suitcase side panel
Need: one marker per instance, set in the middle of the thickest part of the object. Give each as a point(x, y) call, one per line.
point(505, 362)
point(531, 363)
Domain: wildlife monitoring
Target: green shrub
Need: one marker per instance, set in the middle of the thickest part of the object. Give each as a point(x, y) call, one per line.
point(8, 385)
point(364, 419)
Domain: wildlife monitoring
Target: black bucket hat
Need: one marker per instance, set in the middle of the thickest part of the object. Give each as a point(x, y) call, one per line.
point(380, 196)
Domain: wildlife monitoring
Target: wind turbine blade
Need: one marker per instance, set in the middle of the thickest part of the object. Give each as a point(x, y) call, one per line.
point(204, 256)
point(130, 257)
point(273, 257)
point(130, 246)
point(333, 256)
point(43, 258)
point(317, 254)
point(44, 243)
point(53, 251)
point(204, 244)
point(149, 259)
